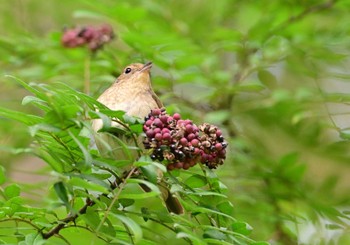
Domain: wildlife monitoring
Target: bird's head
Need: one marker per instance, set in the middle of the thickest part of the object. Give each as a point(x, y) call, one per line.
point(136, 73)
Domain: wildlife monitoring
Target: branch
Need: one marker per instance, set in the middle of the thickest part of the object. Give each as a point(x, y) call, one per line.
point(71, 218)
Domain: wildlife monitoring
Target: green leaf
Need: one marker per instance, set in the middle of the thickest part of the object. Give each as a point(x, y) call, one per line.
point(259, 243)
point(2, 175)
point(215, 241)
point(27, 86)
point(33, 130)
point(267, 78)
point(196, 181)
point(12, 190)
point(242, 228)
point(19, 116)
point(88, 159)
point(87, 14)
point(61, 192)
point(212, 233)
point(345, 134)
point(249, 87)
point(194, 240)
point(151, 172)
point(125, 202)
point(226, 207)
point(334, 227)
point(91, 217)
point(150, 185)
point(132, 225)
point(78, 182)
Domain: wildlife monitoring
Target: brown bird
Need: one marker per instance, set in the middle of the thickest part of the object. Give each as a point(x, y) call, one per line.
point(132, 92)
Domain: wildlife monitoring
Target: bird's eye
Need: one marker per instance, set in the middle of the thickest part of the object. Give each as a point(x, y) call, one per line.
point(127, 70)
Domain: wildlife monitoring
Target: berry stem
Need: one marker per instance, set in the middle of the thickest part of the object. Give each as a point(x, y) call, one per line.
point(87, 65)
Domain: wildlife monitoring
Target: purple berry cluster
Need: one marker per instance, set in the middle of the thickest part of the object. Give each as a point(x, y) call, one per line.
point(180, 143)
point(93, 37)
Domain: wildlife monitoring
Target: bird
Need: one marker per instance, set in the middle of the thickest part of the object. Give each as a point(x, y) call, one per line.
point(132, 93)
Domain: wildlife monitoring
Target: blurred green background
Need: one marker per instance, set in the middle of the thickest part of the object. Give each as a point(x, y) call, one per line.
point(273, 74)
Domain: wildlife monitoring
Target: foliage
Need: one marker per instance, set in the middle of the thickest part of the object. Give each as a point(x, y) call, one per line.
point(272, 74)
point(112, 211)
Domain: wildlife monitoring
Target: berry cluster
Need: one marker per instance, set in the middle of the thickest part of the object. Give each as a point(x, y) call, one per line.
point(180, 143)
point(93, 37)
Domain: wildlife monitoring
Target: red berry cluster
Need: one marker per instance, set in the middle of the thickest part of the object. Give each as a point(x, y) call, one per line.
point(180, 143)
point(93, 37)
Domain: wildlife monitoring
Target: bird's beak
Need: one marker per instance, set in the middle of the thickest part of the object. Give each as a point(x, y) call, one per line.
point(146, 67)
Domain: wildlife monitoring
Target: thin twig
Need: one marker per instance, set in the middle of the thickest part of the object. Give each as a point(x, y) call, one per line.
point(87, 75)
point(115, 198)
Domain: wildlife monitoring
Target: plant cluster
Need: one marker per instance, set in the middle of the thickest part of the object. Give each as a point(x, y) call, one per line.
point(93, 37)
point(180, 144)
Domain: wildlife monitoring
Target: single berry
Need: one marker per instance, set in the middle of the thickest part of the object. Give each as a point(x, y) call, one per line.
point(166, 136)
point(189, 128)
point(149, 122)
point(195, 142)
point(158, 123)
point(165, 130)
point(156, 112)
point(158, 136)
point(176, 116)
point(191, 136)
point(222, 153)
point(197, 151)
point(218, 146)
point(150, 133)
point(183, 141)
point(164, 118)
point(178, 165)
point(157, 130)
